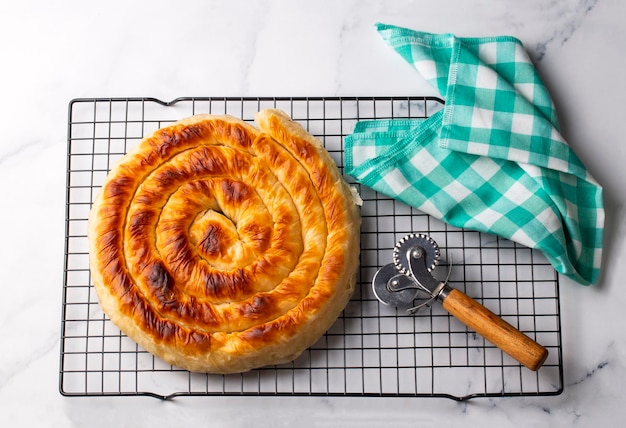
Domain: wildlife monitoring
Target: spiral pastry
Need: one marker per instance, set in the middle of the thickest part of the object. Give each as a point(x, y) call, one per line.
point(220, 248)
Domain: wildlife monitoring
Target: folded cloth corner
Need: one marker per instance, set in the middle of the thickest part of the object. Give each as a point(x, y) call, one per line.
point(493, 159)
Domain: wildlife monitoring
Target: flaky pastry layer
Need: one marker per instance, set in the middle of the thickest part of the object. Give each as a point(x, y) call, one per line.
point(220, 247)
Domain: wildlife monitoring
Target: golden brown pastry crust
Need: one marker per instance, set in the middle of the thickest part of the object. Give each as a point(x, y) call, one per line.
point(221, 248)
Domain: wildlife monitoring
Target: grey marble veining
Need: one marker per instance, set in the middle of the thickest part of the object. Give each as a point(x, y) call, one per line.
point(53, 52)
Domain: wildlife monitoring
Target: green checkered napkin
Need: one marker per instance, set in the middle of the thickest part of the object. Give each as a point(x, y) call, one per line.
point(492, 159)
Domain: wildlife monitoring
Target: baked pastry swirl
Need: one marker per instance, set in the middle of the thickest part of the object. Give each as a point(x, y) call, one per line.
point(220, 247)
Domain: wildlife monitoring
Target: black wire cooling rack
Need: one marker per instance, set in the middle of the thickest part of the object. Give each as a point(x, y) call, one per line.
point(372, 349)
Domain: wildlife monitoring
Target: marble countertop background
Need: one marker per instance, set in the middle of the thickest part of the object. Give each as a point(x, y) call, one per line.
point(52, 52)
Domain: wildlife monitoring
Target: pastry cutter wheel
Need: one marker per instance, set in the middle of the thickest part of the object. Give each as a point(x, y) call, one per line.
point(409, 283)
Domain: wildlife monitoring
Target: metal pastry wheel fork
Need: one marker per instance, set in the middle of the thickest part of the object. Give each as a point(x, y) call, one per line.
point(408, 283)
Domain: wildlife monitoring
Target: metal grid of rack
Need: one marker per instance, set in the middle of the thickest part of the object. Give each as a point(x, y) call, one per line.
point(372, 349)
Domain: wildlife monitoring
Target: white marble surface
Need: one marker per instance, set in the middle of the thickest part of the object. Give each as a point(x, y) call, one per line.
point(51, 52)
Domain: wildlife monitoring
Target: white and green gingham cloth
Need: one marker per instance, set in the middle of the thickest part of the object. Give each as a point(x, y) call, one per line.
point(492, 159)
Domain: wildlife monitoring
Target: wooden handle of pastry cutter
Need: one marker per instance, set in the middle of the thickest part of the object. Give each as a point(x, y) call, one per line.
point(495, 329)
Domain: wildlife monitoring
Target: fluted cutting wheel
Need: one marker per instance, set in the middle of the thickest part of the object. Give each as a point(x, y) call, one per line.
point(412, 241)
